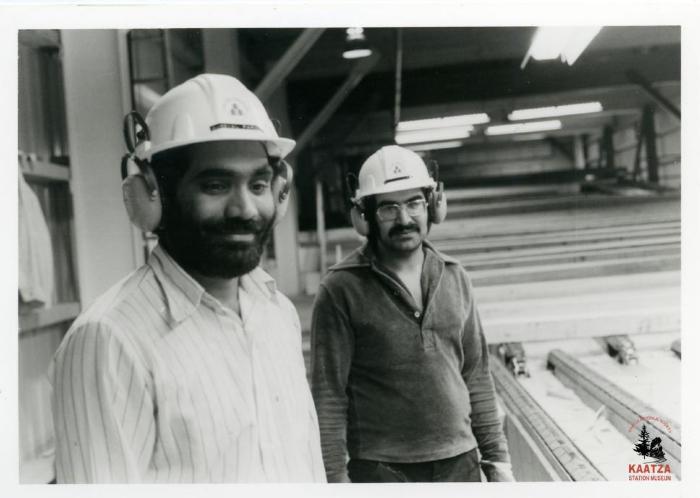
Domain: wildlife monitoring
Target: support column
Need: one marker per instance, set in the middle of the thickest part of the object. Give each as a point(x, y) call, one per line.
point(608, 147)
point(321, 226)
point(579, 154)
point(94, 111)
point(649, 134)
point(220, 47)
point(286, 233)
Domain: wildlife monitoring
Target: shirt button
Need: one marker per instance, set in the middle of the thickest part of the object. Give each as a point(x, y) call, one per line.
point(416, 314)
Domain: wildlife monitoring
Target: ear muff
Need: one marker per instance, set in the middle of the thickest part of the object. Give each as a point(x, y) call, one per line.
point(141, 196)
point(437, 204)
point(281, 190)
point(359, 223)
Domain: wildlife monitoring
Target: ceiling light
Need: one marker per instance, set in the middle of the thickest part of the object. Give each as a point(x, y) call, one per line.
point(433, 134)
point(436, 145)
point(564, 42)
point(443, 122)
point(507, 129)
point(554, 111)
point(356, 46)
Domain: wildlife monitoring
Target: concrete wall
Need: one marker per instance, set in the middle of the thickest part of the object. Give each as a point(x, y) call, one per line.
point(95, 107)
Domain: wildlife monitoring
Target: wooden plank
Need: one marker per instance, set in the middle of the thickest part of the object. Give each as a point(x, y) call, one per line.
point(566, 202)
point(638, 321)
point(576, 305)
point(571, 256)
point(557, 448)
point(579, 287)
point(558, 236)
point(530, 246)
point(574, 270)
point(46, 317)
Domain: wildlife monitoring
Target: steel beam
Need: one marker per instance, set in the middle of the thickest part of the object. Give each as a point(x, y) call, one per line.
point(356, 75)
point(640, 80)
point(287, 62)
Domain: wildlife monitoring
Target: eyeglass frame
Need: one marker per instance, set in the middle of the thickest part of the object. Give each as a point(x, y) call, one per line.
point(403, 206)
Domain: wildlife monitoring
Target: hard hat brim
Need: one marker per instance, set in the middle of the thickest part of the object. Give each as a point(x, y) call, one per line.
point(276, 147)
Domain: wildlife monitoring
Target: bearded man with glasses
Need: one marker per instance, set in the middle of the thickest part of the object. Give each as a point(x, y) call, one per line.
point(401, 376)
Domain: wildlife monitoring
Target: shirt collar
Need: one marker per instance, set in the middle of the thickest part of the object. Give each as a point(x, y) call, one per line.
point(368, 254)
point(183, 294)
point(258, 282)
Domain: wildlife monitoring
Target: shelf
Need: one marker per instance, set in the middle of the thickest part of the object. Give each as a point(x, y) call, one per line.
point(45, 317)
point(38, 38)
point(44, 171)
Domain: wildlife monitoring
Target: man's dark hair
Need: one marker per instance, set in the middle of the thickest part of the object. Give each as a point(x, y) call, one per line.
point(169, 167)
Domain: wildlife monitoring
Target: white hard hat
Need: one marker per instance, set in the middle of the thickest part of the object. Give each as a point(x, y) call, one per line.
point(210, 107)
point(390, 169)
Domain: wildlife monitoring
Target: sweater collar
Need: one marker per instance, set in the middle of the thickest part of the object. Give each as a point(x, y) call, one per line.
point(363, 257)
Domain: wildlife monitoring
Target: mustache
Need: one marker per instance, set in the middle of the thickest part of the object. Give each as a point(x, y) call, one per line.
point(234, 226)
point(399, 229)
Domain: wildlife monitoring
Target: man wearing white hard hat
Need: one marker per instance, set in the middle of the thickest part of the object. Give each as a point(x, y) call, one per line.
point(401, 375)
point(191, 369)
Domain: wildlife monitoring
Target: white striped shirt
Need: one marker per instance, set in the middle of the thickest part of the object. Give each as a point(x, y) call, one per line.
point(159, 382)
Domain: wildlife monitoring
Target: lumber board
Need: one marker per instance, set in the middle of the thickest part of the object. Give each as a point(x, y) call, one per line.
point(583, 325)
point(543, 248)
point(578, 286)
point(574, 270)
point(466, 243)
point(553, 257)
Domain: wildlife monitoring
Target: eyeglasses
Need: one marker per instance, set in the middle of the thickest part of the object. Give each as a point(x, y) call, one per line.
point(389, 212)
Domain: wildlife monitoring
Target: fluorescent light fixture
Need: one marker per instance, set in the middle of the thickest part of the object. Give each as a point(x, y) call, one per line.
point(565, 42)
point(433, 134)
point(356, 45)
point(444, 122)
point(436, 145)
point(507, 129)
point(554, 111)
point(357, 53)
point(577, 43)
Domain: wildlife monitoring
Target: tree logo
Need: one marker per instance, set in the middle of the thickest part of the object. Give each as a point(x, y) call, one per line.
point(647, 448)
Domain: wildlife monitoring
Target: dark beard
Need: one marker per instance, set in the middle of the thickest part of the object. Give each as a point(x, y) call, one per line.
point(202, 247)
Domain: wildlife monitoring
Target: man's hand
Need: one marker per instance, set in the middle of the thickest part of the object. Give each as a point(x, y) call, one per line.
point(497, 471)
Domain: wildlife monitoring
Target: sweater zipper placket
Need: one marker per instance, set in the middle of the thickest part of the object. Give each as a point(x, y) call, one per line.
point(400, 290)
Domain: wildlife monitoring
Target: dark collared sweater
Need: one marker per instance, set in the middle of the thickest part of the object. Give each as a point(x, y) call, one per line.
point(392, 383)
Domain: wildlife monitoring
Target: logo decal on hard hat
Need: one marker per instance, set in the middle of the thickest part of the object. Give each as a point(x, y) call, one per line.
point(394, 171)
point(235, 108)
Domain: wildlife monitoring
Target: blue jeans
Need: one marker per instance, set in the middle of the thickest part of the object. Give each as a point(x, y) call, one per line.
point(460, 468)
